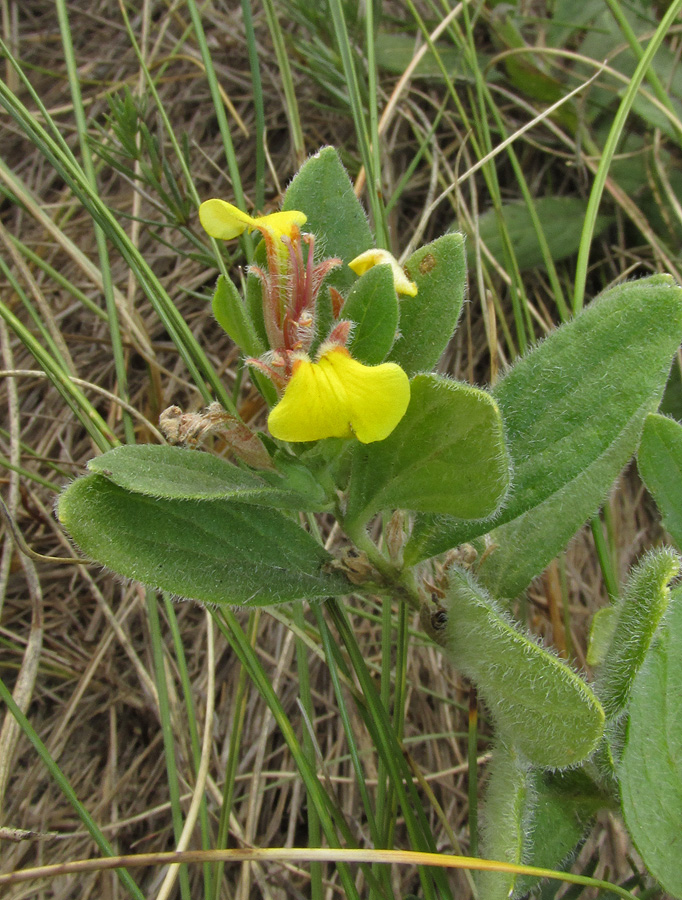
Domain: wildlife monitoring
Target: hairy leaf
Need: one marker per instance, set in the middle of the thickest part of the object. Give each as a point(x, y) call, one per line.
point(428, 320)
point(323, 191)
point(214, 551)
point(650, 773)
point(540, 705)
point(446, 455)
point(639, 613)
point(505, 819)
point(231, 315)
point(373, 306)
point(177, 474)
point(573, 409)
point(660, 464)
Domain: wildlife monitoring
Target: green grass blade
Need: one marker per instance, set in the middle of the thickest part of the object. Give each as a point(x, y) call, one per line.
point(609, 150)
point(329, 817)
point(287, 81)
point(218, 104)
point(378, 721)
point(183, 672)
point(231, 766)
point(84, 411)
point(195, 359)
point(362, 134)
point(65, 787)
point(158, 644)
point(662, 94)
point(105, 267)
point(314, 829)
point(258, 104)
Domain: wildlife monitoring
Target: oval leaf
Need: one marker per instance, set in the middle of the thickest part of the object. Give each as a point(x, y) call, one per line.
point(574, 409)
point(323, 191)
point(373, 306)
point(638, 615)
point(540, 705)
point(505, 820)
point(446, 455)
point(561, 220)
point(231, 315)
point(659, 461)
point(650, 773)
point(428, 320)
point(176, 474)
point(213, 551)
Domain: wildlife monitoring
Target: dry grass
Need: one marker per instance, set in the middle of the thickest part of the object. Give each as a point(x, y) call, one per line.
point(93, 699)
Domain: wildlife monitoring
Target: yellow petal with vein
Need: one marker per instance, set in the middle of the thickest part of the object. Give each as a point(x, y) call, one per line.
point(222, 220)
point(279, 223)
point(378, 396)
point(340, 397)
point(314, 405)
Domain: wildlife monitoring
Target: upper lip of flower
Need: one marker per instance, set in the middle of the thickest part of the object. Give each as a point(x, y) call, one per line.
point(337, 396)
point(224, 221)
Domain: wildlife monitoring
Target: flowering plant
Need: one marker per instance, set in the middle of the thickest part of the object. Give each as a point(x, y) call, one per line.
point(450, 498)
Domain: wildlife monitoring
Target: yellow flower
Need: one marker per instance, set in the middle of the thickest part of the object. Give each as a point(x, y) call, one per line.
point(377, 257)
point(224, 221)
point(339, 397)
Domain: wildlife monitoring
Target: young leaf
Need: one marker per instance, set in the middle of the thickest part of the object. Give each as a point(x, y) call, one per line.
point(176, 474)
point(540, 705)
point(447, 454)
point(214, 551)
point(505, 819)
point(639, 613)
point(231, 315)
point(373, 306)
point(602, 626)
point(560, 808)
point(650, 772)
point(574, 409)
point(659, 461)
point(323, 191)
point(428, 320)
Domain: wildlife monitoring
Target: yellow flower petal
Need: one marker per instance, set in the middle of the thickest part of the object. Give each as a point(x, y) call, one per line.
point(340, 397)
point(378, 396)
point(377, 257)
point(224, 221)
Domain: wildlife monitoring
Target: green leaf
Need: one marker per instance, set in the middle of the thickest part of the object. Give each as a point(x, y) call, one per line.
point(529, 543)
point(395, 52)
point(231, 314)
point(671, 404)
point(428, 320)
point(176, 474)
point(639, 613)
point(601, 633)
point(373, 306)
point(660, 464)
point(562, 222)
point(650, 773)
point(538, 703)
point(573, 409)
point(505, 819)
point(323, 191)
point(446, 455)
point(214, 551)
point(559, 810)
